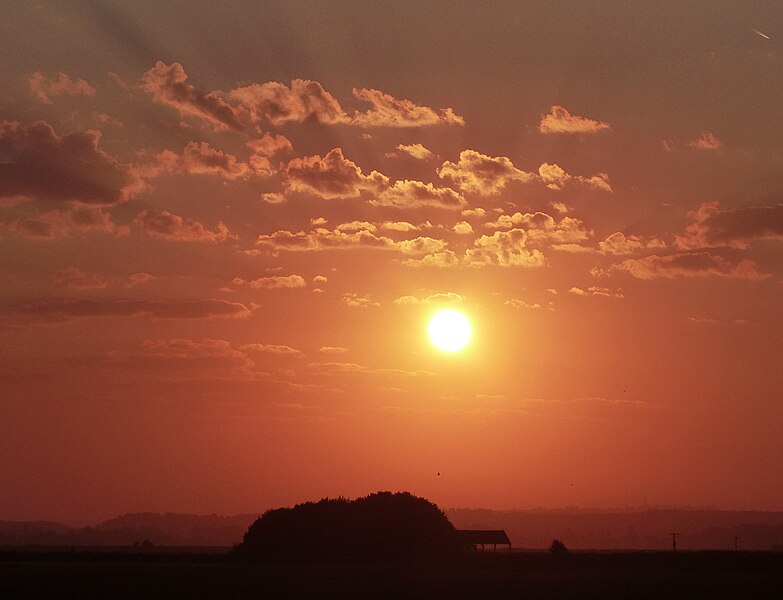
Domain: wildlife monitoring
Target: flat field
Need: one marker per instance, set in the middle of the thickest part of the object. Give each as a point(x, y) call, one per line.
point(529, 575)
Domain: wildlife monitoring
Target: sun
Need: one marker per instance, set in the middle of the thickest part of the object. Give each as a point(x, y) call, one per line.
point(449, 330)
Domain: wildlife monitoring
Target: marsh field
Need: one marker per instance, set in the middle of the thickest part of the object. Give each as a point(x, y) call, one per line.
point(172, 575)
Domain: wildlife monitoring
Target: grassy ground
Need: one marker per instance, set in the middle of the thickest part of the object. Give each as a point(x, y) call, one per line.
point(517, 575)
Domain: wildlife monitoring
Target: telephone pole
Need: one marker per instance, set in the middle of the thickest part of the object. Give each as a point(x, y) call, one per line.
point(674, 541)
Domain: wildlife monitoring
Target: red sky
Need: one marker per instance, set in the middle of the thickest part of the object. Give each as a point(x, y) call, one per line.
point(223, 231)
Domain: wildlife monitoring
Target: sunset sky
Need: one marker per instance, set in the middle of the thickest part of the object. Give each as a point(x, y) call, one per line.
point(224, 229)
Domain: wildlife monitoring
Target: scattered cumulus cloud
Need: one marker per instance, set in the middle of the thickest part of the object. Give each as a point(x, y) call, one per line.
point(167, 84)
point(481, 174)
point(275, 282)
point(37, 163)
point(168, 226)
point(332, 176)
point(388, 111)
point(618, 243)
point(44, 88)
point(688, 265)
point(76, 279)
point(706, 141)
point(358, 300)
point(417, 151)
point(416, 194)
point(735, 228)
point(559, 120)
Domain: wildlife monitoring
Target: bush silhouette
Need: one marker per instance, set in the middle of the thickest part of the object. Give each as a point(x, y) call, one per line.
point(383, 526)
point(558, 548)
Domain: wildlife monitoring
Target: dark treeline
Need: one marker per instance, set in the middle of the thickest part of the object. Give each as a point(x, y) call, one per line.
point(382, 526)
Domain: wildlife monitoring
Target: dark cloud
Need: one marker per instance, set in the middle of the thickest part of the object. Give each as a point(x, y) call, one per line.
point(332, 176)
point(168, 226)
point(689, 265)
point(737, 228)
point(57, 224)
point(276, 103)
point(174, 309)
point(168, 85)
point(36, 162)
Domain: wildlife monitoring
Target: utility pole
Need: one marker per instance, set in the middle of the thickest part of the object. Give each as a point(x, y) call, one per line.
point(735, 543)
point(674, 541)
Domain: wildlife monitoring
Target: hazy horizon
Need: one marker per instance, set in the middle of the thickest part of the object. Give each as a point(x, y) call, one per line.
point(224, 232)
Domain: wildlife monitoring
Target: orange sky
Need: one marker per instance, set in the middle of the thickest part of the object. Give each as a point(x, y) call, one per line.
point(223, 232)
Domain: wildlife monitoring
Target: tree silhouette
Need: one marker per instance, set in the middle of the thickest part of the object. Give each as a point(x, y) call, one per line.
point(383, 526)
point(558, 548)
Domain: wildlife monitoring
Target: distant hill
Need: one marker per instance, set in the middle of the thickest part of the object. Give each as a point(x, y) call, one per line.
point(579, 529)
point(699, 529)
point(169, 529)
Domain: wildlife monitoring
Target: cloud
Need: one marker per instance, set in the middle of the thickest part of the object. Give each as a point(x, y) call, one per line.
point(440, 260)
point(416, 151)
point(543, 229)
point(37, 163)
point(322, 239)
point(168, 86)
point(175, 309)
point(521, 304)
point(688, 265)
point(358, 234)
point(140, 278)
point(388, 111)
point(706, 141)
point(356, 226)
point(44, 89)
point(735, 228)
point(58, 224)
point(474, 212)
point(278, 282)
point(482, 174)
point(277, 349)
point(618, 243)
point(270, 145)
point(200, 158)
point(399, 226)
point(168, 226)
point(276, 103)
point(73, 278)
point(332, 350)
point(559, 120)
point(503, 249)
point(273, 198)
point(332, 176)
point(597, 291)
point(440, 298)
point(416, 194)
point(462, 228)
point(555, 178)
point(336, 368)
point(358, 300)
point(180, 358)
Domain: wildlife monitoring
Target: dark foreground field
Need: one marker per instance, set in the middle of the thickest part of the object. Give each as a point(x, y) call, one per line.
point(531, 575)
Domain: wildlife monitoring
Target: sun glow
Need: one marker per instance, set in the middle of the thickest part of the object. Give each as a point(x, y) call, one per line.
point(449, 330)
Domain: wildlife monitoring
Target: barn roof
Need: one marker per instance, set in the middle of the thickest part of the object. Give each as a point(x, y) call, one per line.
point(483, 536)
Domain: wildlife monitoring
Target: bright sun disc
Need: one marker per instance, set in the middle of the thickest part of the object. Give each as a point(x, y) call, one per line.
point(449, 330)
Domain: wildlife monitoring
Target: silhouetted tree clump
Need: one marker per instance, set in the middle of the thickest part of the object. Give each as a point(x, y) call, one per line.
point(383, 526)
point(558, 548)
